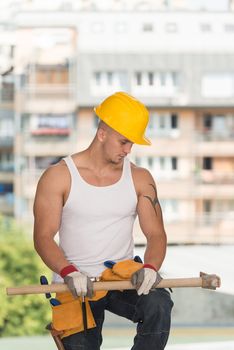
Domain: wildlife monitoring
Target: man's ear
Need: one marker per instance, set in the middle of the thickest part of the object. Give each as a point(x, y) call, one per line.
point(101, 134)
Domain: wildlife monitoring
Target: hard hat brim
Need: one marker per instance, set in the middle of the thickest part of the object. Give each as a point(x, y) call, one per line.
point(144, 141)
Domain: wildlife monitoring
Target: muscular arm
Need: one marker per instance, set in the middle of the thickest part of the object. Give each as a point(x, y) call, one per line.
point(47, 215)
point(150, 219)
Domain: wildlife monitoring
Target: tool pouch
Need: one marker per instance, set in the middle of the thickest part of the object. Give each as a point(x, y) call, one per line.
point(68, 318)
point(121, 270)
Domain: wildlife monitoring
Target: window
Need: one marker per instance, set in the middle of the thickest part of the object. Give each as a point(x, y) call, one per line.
point(207, 163)
point(162, 121)
point(152, 127)
point(205, 27)
point(229, 27)
point(174, 121)
point(162, 163)
point(6, 90)
point(6, 162)
point(174, 77)
point(219, 85)
point(150, 83)
point(146, 162)
point(207, 121)
point(151, 78)
point(6, 188)
point(174, 163)
point(163, 125)
point(147, 27)
point(97, 78)
point(207, 206)
point(50, 124)
point(138, 78)
point(6, 127)
point(171, 27)
point(105, 82)
point(109, 78)
point(50, 74)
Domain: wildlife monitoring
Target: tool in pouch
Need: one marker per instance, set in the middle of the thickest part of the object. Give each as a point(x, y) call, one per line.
point(53, 301)
point(68, 314)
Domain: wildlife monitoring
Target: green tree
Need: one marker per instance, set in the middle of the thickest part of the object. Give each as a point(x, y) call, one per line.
point(20, 265)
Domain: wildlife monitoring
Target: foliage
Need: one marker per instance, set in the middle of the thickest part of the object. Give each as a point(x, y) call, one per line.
point(20, 265)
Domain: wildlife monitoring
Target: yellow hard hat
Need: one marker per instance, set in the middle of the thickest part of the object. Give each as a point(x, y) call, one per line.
point(126, 115)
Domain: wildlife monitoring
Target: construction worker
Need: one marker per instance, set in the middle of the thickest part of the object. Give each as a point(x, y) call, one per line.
point(92, 199)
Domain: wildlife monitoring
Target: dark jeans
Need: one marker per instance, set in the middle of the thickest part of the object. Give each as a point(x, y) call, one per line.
point(151, 312)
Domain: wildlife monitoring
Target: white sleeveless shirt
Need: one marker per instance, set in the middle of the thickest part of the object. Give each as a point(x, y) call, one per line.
point(97, 222)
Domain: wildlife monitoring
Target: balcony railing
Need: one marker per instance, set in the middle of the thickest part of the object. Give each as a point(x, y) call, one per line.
point(202, 219)
point(49, 91)
point(222, 135)
point(204, 228)
point(214, 218)
point(214, 177)
point(42, 143)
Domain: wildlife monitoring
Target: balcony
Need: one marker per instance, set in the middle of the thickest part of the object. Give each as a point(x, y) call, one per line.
point(6, 141)
point(214, 143)
point(47, 98)
point(211, 136)
point(214, 177)
point(213, 228)
point(6, 172)
point(213, 184)
point(46, 143)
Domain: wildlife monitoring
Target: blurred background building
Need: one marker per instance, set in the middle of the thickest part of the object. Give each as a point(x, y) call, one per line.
point(60, 58)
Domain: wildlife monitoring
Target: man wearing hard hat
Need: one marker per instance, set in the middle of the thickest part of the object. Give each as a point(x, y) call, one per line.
point(92, 199)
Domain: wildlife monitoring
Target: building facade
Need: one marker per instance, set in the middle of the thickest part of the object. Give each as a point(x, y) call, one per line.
point(7, 44)
point(179, 63)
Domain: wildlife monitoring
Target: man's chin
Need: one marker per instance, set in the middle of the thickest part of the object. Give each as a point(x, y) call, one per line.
point(117, 160)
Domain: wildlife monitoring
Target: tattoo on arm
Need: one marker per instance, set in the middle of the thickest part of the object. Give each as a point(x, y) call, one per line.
point(154, 201)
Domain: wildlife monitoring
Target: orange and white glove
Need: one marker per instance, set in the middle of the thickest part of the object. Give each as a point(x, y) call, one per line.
point(145, 278)
point(78, 283)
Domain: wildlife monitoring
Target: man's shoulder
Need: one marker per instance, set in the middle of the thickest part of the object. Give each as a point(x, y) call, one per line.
point(141, 177)
point(55, 173)
point(140, 172)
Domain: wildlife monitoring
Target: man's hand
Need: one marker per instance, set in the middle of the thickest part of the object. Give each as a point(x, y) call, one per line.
point(145, 278)
point(78, 283)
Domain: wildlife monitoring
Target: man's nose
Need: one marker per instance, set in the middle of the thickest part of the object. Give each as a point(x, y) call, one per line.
point(127, 148)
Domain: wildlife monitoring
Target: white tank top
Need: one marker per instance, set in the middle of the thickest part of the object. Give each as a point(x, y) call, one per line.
point(97, 222)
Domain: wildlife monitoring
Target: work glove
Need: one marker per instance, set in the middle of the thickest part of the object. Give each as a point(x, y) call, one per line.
point(145, 278)
point(78, 283)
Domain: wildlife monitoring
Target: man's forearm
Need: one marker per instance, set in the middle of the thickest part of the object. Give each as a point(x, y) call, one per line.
point(155, 250)
point(51, 254)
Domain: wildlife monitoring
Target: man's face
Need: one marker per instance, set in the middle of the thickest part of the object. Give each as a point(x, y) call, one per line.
point(116, 146)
